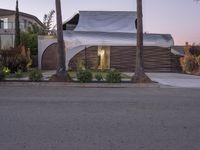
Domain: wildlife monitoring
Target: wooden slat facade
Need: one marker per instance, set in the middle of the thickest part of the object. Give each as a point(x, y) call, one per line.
point(88, 56)
point(122, 58)
point(50, 58)
point(156, 59)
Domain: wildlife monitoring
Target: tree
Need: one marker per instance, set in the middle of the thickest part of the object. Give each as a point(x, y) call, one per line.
point(17, 26)
point(61, 74)
point(140, 76)
point(48, 20)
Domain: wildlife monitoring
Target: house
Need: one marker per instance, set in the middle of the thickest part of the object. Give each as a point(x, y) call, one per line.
point(7, 26)
point(107, 39)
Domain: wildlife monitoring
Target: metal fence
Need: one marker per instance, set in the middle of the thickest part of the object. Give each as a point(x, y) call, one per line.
point(10, 25)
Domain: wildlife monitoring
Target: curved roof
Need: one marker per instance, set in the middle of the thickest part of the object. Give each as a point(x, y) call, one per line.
point(110, 28)
point(78, 38)
point(107, 21)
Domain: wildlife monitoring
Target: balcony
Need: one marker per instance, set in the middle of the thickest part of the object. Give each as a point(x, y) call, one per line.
point(9, 27)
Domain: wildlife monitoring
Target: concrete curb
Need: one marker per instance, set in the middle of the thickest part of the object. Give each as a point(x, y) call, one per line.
point(85, 85)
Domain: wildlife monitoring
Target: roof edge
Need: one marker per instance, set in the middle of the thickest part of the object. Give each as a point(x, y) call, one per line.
point(25, 15)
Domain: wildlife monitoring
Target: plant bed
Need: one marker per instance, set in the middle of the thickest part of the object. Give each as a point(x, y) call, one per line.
point(73, 78)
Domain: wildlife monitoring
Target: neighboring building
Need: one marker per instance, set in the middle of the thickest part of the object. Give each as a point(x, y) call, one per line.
point(107, 39)
point(7, 26)
point(178, 50)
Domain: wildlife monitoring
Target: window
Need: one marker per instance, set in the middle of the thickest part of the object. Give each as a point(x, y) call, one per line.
point(4, 23)
point(25, 23)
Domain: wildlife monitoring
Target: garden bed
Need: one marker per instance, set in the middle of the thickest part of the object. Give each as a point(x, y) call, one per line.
point(24, 77)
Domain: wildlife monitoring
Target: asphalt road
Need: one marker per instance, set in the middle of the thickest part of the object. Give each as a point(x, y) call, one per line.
point(64, 118)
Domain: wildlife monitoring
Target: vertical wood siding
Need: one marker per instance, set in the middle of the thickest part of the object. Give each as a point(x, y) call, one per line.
point(122, 58)
point(50, 58)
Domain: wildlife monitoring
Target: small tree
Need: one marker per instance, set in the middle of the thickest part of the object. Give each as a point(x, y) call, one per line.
point(17, 26)
point(48, 20)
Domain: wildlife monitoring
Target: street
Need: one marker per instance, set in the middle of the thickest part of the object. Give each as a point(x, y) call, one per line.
point(64, 118)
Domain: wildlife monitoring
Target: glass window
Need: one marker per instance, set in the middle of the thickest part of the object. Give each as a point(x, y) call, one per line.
point(5, 23)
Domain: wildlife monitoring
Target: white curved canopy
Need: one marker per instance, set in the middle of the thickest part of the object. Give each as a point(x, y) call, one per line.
point(107, 21)
point(80, 38)
point(110, 28)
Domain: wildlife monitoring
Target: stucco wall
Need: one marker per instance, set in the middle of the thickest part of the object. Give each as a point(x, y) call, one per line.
point(43, 43)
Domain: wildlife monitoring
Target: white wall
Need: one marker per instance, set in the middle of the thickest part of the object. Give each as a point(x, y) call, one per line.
point(43, 43)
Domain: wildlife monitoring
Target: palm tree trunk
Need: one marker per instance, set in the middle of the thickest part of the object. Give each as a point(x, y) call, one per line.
point(61, 69)
point(140, 76)
point(17, 26)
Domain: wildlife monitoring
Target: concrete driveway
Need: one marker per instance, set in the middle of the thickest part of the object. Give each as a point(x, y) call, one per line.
point(175, 79)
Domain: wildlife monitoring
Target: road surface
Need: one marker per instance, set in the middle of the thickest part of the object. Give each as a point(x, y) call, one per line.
point(64, 118)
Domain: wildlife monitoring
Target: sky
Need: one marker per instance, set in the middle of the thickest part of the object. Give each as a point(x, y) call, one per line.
point(180, 18)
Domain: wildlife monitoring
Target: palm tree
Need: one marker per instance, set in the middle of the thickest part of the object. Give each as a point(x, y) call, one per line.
point(140, 76)
point(61, 74)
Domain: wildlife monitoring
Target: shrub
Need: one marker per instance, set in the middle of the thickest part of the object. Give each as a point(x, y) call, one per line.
point(98, 76)
point(198, 60)
point(29, 40)
point(15, 63)
point(6, 71)
point(84, 76)
point(18, 74)
point(35, 75)
point(189, 64)
point(113, 76)
point(21, 63)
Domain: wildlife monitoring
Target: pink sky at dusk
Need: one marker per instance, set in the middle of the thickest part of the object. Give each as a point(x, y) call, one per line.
point(180, 18)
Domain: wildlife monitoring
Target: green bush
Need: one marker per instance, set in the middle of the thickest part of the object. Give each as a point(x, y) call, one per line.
point(113, 76)
point(98, 76)
point(6, 71)
point(84, 76)
point(30, 40)
point(15, 63)
point(35, 75)
point(18, 74)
